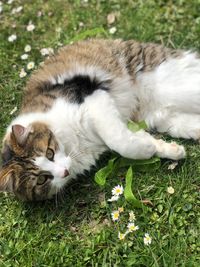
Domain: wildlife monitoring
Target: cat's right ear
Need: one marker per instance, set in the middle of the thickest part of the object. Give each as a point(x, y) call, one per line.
point(20, 133)
point(6, 179)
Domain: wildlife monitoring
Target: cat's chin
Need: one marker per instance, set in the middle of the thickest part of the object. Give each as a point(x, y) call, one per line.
point(56, 187)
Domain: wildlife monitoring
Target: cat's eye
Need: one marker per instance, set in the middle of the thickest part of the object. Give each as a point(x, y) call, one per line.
point(50, 154)
point(42, 179)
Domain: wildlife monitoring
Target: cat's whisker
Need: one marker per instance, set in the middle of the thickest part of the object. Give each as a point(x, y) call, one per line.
point(73, 153)
point(77, 155)
point(81, 152)
point(56, 198)
point(70, 153)
point(61, 193)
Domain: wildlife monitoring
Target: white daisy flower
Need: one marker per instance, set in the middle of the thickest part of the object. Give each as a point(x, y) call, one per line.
point(27, 48)
point(121, 236)
point(170, 190)
point(30, 65)
point(81, 24)
point(19, 9)
point(115, 215)
point(111, 18)
point(147, 239)
point(132, 227)
point(172, 166)
point(1, 8)
point(46, 51)
point(58, 30)
point(16, 10)
point(10, 2)
point(39, 14)
point(24, 56)
point(51, 51)
point(22, 73)
point(12, 38)
point(30, 27)
point(117, 190)
point(112, 30)
point(131, 216)
point(13, 11)
point(113, 198)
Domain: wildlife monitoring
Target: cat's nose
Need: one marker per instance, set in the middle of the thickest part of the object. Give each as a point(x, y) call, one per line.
point(66, 173)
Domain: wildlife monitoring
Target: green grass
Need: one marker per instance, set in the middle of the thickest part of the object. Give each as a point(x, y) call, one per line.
point(77, 230)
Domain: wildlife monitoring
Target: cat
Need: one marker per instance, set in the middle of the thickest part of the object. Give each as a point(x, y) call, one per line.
point(77, 105)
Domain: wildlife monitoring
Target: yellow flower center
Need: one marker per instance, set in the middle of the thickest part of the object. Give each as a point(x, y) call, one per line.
point(116, 215)
point(121, 236)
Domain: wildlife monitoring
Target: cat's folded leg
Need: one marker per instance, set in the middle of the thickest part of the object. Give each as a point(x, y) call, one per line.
point(112, 129)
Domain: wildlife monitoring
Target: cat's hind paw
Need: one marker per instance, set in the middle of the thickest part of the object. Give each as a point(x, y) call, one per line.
point(170, 150)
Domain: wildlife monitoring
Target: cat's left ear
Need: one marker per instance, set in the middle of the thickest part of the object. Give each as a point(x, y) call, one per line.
point(6, 179)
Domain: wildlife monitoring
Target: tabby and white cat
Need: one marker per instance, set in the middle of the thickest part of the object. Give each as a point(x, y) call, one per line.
point(76, 106)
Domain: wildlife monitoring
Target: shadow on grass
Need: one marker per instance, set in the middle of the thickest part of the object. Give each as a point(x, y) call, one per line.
point(75, 199)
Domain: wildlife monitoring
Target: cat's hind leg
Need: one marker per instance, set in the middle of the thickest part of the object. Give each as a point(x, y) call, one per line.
point(170, 96)
point(113, 131)
point(176, 124)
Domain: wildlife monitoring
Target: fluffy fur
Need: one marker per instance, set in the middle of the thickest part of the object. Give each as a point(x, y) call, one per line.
point(86, 94)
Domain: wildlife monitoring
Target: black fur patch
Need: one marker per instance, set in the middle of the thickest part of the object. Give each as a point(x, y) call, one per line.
point(77, 88)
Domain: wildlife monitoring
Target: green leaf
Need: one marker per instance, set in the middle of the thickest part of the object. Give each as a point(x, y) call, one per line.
point(141, 165)
point(142, 125)
point(128, 194)
point(134, 127)
point(102, 174)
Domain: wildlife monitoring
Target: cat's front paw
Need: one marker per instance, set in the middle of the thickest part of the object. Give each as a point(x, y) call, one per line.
point(170, 150)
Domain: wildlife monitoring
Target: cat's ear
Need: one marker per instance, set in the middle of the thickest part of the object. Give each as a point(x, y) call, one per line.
point(6, 180)
point(20, 133)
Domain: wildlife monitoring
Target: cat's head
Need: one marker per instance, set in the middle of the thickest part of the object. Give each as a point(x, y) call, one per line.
point(35, 166)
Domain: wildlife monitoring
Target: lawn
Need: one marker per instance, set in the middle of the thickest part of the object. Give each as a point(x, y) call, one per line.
point(77, 229)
